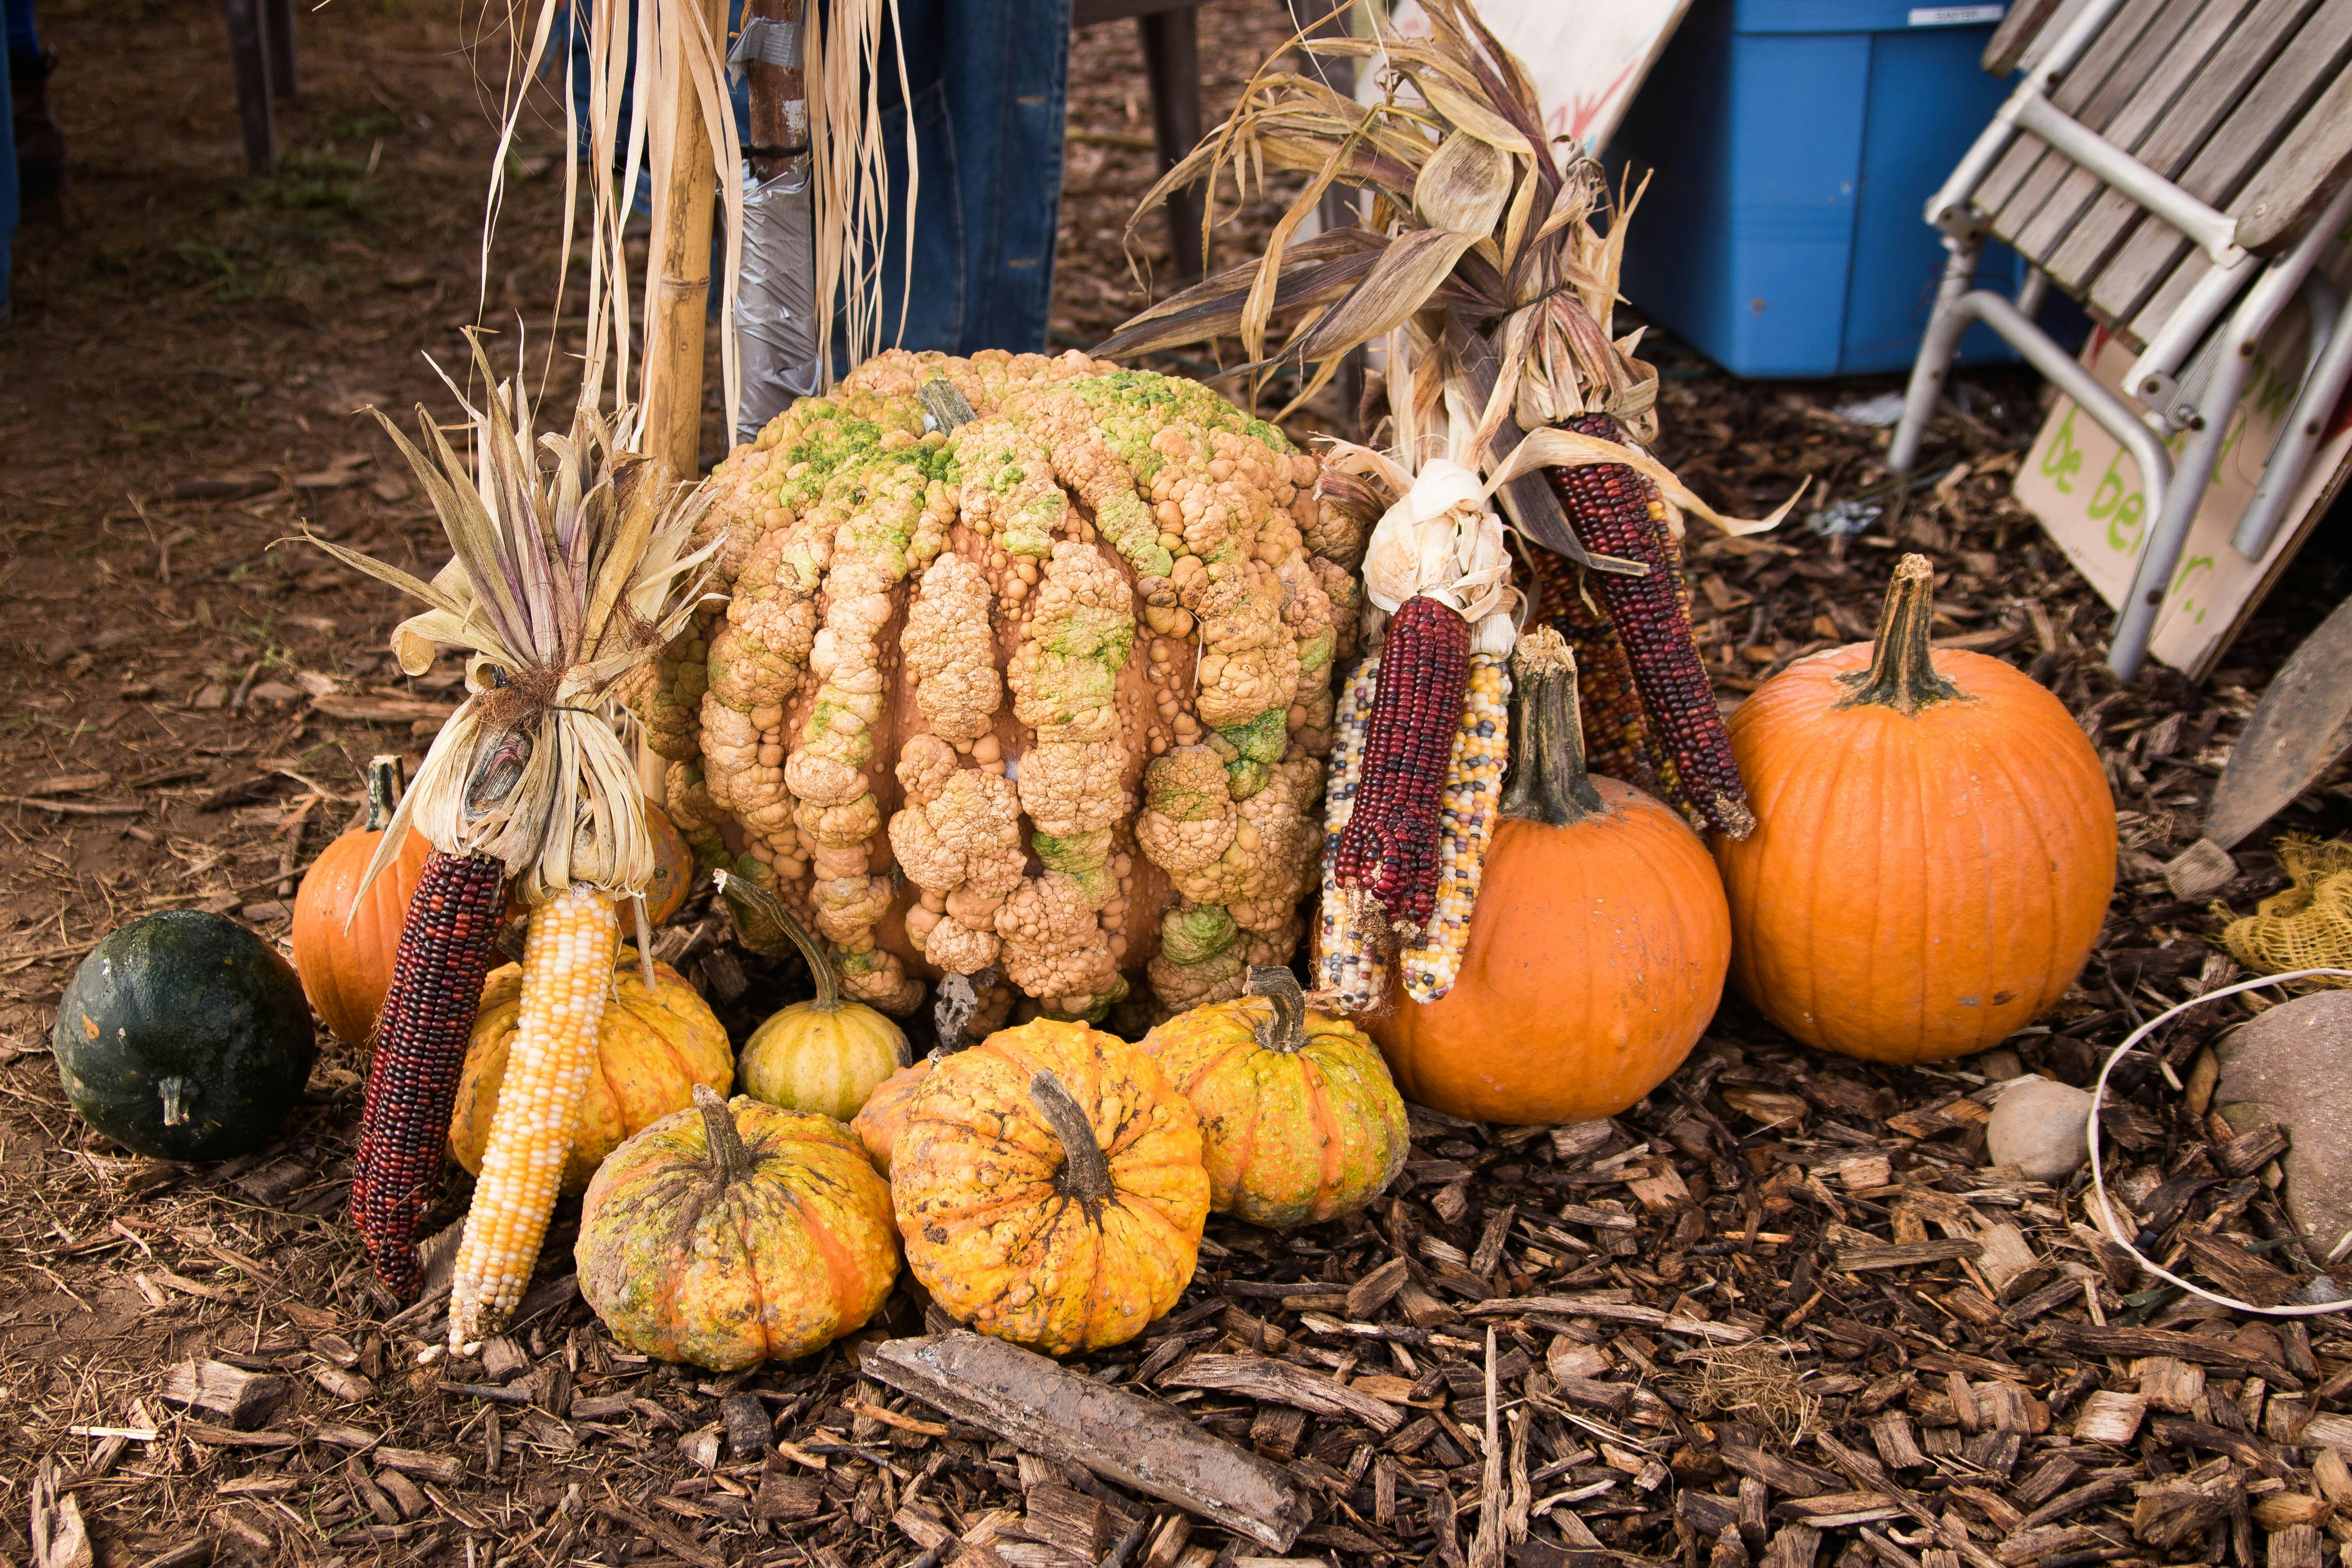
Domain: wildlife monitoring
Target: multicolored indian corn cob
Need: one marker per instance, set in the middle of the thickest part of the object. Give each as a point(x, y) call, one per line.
point(1390, 848)
point(567, 977)
point(1349, 931)
point(1622, 744)
point(1616, 511)
point(446, 943)
point(1466, 818)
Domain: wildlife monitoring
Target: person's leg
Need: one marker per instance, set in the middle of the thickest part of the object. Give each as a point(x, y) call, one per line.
point(38, 162)
point(1007, 77)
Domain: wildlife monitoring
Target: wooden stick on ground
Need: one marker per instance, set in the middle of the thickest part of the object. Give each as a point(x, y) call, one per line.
point(1058, 1414)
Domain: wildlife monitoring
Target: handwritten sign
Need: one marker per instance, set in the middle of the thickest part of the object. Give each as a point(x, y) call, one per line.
point(1587, 56)
point(2085, 489)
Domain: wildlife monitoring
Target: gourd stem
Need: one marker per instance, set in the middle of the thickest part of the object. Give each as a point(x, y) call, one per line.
point(1549, 782)
point(729, 1161)
point(176, 1092)
point(1902, 673)
point(1085, 1170)
point(1285, 1028)
point(749, 902)
point(383, 779)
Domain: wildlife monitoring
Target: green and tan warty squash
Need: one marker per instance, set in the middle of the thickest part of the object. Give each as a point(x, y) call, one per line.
point(1045, 692)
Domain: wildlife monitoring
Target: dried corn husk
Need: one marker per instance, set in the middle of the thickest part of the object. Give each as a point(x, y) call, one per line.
point(1488, 257)
point(560, 583)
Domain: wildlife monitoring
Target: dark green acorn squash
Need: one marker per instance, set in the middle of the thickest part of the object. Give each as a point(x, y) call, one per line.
point(184, 1037)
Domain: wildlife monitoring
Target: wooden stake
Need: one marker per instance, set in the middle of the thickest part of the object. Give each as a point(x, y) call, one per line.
point(682, 283)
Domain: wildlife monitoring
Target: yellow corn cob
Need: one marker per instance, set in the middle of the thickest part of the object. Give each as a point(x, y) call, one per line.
point(1466, 818)
point(567, 976)
point(1348, 928)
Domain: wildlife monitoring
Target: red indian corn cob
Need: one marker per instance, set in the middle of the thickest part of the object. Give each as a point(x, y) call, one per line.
point(1616, 511)
point(1617, 738)
point(1390, 848)
point(446, 943)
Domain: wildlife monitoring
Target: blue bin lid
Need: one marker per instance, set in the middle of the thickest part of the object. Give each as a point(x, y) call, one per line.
point(1858, 15)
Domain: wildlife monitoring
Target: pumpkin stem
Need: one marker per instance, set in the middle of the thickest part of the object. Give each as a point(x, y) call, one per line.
point(176, 1093)
point(729, 1161)
point(1085, 1170)
point(1285, 1028)
point(759, 917)
point(645, 941)
point(1549, 783)
point(1902, 673)
point(384, 784)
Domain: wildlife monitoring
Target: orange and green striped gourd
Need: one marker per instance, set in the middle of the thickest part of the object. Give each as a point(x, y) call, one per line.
point(735, 1233)
point(1300, 1119)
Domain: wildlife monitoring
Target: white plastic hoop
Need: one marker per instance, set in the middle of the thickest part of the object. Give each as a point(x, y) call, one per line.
point(2098, 1177)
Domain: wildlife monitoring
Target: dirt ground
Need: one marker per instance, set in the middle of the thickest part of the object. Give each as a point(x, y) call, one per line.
point(189, 699)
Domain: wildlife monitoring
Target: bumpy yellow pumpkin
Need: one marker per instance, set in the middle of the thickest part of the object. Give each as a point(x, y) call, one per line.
point(826, 1055)
point(1049, 1187)
point(736, 1233)
point(652, 1048)
point(1299, 1119)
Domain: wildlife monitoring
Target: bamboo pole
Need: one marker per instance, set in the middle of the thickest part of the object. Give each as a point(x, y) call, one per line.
point(682, 288)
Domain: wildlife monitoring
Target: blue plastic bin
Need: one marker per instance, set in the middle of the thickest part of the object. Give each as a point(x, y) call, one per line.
point(1794, 144)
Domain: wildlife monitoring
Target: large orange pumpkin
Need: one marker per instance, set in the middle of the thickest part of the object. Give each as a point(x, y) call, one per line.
point(1936, 847)
point(653, 1045)
point(1597, 947)
point(1299, 1121)
point(1049, 1187)
point(735, 1233)
point(346, 940)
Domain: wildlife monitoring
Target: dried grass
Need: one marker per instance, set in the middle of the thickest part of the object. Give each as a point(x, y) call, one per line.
point(1758, 1382)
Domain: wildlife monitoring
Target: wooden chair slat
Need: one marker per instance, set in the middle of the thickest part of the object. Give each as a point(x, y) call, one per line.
point(2027, 21)
point(2215, 90)
point(2162, 73)
point(2302, 176)
point(2037, 216)
point(2229, 157)
point(2014, 191)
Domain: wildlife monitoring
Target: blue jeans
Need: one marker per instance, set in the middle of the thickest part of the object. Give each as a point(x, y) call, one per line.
point(988, 80)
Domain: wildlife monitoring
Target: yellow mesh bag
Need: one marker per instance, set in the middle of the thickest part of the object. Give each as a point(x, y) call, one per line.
point(2309, 926)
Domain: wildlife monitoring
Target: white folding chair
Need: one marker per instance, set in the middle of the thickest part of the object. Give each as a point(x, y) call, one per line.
point(2176, 166)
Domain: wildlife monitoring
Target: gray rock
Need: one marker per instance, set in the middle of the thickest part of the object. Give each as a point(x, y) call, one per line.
point(2292, 1065)
point(2038, 1126)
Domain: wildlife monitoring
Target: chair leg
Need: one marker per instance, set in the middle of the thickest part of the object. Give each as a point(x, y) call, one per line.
point(1935, 351)
point(1171, 59)
point(278, 25)
point(2168, 532)
point(248, 53)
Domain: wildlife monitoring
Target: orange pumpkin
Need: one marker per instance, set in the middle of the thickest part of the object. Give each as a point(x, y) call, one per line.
point(653, 1045)
point(884, 1116)
point(1936, 847)
point(1597, 947)
point(1049, 1187)
point(344, 938)
point(1298, 1117)
point(735, 1233)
